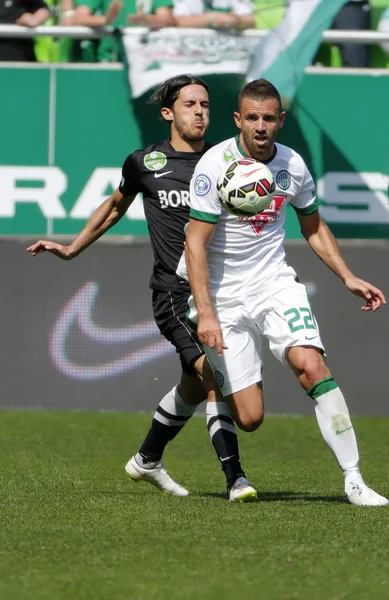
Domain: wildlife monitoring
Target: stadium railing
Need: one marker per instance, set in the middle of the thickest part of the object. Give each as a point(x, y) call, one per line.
point(87, 33)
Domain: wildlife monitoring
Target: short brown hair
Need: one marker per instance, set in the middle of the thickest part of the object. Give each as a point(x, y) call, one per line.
point(260, 89)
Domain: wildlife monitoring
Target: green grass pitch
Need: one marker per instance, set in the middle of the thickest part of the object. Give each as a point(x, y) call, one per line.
point(73, 527)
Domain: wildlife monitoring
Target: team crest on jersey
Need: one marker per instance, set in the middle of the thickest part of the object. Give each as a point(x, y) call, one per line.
point(283, 179)
point(228, 155)
point(202, 185)
point(266, 217)
point(155, 161)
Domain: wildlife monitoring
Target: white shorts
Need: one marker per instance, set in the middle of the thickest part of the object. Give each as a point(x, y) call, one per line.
point(280, 310)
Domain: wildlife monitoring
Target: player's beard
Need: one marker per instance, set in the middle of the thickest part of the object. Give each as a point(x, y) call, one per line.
point(189, 132)
point(259, 153)
point(193, 134)
point(194, 138)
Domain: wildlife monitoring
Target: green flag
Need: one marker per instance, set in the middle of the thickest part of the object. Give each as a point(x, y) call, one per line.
point(283, 54)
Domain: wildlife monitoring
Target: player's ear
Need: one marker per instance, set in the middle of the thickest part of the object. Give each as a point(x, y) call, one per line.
point(281, 119)
point(237, 120)
point(167, 113)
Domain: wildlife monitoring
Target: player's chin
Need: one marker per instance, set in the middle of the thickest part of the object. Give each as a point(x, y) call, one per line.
point(198, 134)
point(198, 129)
point(261, 146)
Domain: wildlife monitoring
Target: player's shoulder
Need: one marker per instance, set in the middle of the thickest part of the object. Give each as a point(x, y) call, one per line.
point(151, 158)
point(290, 156)
point(161, 147)
point(220, 153)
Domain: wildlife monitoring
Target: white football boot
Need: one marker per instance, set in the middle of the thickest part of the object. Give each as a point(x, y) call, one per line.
point(242, 491)
point(158, 476)
point(359, 493)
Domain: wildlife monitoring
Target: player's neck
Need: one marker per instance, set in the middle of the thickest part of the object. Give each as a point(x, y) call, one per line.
point(261, 157)
point(181, 145)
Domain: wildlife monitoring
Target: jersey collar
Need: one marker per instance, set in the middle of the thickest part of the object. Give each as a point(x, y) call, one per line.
point(240, 148)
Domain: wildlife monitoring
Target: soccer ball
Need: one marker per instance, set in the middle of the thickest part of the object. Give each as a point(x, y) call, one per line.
point(245, 187)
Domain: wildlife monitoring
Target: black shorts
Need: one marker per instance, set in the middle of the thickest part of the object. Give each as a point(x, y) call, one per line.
point(169, 309)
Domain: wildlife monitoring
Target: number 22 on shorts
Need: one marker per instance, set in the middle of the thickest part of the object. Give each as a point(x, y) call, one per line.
point(299, 318)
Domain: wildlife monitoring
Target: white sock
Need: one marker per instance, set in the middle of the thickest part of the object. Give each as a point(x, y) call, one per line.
point(172, 410)
point(336, 428)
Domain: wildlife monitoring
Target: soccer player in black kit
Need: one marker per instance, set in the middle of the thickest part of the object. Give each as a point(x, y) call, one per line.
point(162, 172)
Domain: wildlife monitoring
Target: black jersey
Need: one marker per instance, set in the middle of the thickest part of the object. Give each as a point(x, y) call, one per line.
point(162, 175)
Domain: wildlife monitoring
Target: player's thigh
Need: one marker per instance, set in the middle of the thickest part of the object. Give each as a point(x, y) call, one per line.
point(247, 408)
point(204, 373)
point(192, 390)
point(240, 365)
point(169, 310)
point(199, 385)
point(288, 320)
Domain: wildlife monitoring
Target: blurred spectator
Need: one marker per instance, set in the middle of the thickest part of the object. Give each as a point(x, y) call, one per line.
point(354, 15)
point(268, 13)
point(98, 13)
point(383, 27)
point(153, 13)
point(235, 14)
point(29, 13)
point(48, 49)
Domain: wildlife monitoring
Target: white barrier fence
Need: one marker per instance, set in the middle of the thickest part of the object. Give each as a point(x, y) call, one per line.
point(87, 33)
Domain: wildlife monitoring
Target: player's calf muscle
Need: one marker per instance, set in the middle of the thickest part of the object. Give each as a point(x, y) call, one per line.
point(247, 407)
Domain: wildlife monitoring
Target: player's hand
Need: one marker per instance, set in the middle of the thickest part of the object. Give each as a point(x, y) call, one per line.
point(113, 11)
point(47, 246)
point(210, 334)
point(373, 296)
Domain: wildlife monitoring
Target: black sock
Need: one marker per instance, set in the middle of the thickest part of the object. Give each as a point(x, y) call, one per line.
point(222, 432)
point(170, 417)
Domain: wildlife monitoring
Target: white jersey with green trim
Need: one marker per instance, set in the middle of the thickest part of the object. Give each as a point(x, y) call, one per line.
point(244, 252)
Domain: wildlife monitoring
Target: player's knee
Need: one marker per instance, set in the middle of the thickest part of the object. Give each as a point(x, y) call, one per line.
point(314, 368)
point(249, 423)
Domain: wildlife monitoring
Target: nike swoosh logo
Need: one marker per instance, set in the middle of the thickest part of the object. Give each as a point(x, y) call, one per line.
point(226, 458)
point(339, 431)
point(157, 175)
point(310, 338)
point(78, 311)
point(249, 173)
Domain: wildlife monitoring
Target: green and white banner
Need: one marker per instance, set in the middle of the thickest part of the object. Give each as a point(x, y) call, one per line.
point(155, 56)
point(56, 168)
point(283, 54)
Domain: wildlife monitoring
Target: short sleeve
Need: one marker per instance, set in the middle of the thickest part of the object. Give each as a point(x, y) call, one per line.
point(204, 200)
point(187, 8)
point(242, 7)
point(130, 182)
point(304, 202)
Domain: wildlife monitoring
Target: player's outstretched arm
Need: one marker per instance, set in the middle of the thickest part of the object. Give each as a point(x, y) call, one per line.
point(323, 243)
point(198, 237)
point(102, 219)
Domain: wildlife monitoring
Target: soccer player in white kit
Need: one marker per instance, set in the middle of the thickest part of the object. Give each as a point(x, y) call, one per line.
point(242, 287)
